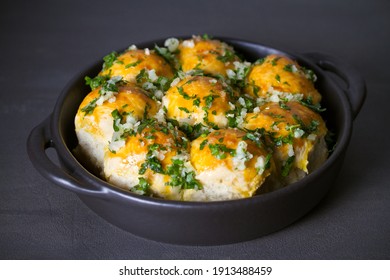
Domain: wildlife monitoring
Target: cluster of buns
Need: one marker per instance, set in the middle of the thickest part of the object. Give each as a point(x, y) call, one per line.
point(193, 121)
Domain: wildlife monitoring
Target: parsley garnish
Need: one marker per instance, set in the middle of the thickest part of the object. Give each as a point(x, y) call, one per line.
point(260, 61)
point(117, 119)
point(288, 68)
point(142, 188)
point(308, 102)
point(286, 168)
point(95, 82)
point(166, 54)
point(88, 109)
point(284, 106)
point(133, 64)
point(310, 128)
point(142, 75)
point(196, 102)
point(207, 37)
point(279, 141)
point(182, 93)
point(255, 137)
point(181, 177)
point(109, 60)
point(228, 56)
point(209, 100)
point(184, 109)
point(206, 119)
point(203, 144)
point(275, 60)
point(267, 163)
point(152, 161)
point(310, 75)
point(220, 151)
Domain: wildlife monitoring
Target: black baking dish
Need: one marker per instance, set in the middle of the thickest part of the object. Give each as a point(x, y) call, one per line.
point(201, 223)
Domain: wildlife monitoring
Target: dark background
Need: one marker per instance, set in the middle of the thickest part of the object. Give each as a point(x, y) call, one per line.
point(43, 44)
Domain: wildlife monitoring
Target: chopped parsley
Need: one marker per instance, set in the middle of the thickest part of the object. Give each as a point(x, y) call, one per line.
point(284, 106)
point(203, 144)
point(209, 100)
point(117, 119)
point(255, 137)
point(286, 168)
point(310, 75)
point(96, 82)
point(227, 56)
point(111, 85)
point(150, 82)
point(88, 109)
point(182, 93)
point(267, 163)
point(181, 177)
point(255, 89)
point(260, 61)
point(289, 68)
point(133, 64)
point(206, 119)
point(220, 151)
point(308, 102)
point(191, 131)
point(281, 140)
point(152, 162)
point(275, 60)
point(207, 37)
point(142, 75)
point(109, 60)
point(184, 109)
point(166, 54)
point(196, 102)
point(107, 86)
point(308, 128)
point(143, 187)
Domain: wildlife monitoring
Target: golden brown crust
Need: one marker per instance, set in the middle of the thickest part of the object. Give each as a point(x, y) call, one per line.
point(198, 99)
point(230, 148)
point(293, 131)
point(130, 63)
point(281, 74)
point(211, 56)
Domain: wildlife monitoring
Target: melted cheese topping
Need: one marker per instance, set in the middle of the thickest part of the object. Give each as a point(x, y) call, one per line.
point(293, 130)
point(196, 100)
point(147, 154)
point(277, 75)
point(130, 63)
point(212, 56)
point(226, 159)
point(97, 126)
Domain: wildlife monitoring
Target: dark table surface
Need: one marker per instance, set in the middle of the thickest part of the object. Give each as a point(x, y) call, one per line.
point(45, 43)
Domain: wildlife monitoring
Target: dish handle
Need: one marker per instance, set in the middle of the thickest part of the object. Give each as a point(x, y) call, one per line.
point(355, 85)
point(38, 142)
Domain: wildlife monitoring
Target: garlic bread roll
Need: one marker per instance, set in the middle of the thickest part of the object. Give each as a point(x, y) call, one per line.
point(229, 165)
point(198, 100)
point(275, 78)
point(94, 121)
point(297, 135)
point(211, 56)
point(130, 63)
point(154, 161)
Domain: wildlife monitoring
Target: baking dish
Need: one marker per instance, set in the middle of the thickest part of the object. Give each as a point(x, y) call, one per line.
point(202, 223)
